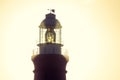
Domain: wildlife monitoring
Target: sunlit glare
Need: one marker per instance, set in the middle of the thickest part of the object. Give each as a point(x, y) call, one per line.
point(90, 35)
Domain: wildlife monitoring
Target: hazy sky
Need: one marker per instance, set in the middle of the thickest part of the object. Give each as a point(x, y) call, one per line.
point(91, 34)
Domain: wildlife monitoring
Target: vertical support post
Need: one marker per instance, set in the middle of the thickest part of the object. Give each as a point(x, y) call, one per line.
point(60, 35)
point(39, 35)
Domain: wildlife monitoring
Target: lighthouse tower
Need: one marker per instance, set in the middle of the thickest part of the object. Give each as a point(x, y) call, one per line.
point(50, 64)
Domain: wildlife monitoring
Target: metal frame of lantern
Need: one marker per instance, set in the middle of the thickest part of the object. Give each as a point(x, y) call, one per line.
point(43, 30)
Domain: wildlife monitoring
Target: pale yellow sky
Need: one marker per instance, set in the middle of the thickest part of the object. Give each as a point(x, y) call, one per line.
point(91, 33)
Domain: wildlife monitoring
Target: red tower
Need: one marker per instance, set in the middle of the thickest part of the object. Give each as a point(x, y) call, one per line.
point(50, 64)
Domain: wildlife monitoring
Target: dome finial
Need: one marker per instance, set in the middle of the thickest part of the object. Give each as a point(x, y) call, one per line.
point(51, 10)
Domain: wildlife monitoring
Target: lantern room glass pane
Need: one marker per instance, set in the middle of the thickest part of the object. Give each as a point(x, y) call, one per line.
point(58, 35)
point(42, 35)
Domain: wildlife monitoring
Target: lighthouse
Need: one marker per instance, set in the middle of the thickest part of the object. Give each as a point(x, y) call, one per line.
point(50, 64)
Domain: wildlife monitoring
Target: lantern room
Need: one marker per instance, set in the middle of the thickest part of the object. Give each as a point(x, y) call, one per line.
point(50, 30)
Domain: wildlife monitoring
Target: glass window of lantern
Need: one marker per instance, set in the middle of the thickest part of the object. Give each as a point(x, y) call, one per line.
point(42, 32)
point(58, 32)
point(58, 35)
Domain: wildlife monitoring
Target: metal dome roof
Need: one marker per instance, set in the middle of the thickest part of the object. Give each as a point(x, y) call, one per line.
point(57, 25)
